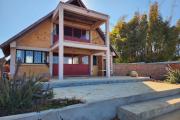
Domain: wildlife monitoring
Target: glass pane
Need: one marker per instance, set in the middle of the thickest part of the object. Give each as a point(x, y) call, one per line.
point(67, 60)
point(29, 56)
point(77, 33)
point(85, 60)
point(85, 35)
point(94, 60)
point(37, 57)
point(55, 59)
point(20, 56)
point(75, 60)
point(44, 57)
point(67, 31)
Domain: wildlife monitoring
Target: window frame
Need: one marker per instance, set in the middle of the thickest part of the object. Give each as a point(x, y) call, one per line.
point(81, 34)
point(24, 51)
point(95, 60)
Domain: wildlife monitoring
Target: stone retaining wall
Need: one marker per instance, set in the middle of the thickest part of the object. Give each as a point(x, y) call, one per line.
point(154, 70)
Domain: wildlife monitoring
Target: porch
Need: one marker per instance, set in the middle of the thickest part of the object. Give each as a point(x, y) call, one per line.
point(79, 62)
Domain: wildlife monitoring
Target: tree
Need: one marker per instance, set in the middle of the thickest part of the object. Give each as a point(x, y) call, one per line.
point(145, 40)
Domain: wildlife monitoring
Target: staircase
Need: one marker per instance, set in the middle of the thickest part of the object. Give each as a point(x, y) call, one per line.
point(150, 108)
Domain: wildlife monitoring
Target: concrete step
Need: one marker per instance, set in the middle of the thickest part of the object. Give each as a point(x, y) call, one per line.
point(93, 81)
point(175, 115)
point(149, 109)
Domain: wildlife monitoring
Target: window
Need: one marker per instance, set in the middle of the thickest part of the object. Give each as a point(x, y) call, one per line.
point(55, 59)
point(67, 60)
point(20, 56)
point(95, 60)
point(68, 31)
point(31, 56)
point(85, 35)
point(44, 57)
point(77, 33)
point(85, 60)
point(37, 57)
point(75, 60)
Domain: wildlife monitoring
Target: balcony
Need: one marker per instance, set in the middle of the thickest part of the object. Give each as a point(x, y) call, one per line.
point(73, 34)
point(70, 38)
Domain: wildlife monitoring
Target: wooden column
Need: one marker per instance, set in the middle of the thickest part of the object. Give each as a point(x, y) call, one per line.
point(61, 43)
point(51, 63)
point(91, 65)
point(108, 71)
point(13, 58)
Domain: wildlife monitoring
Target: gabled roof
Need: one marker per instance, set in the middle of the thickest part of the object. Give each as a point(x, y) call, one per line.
point(77, 3)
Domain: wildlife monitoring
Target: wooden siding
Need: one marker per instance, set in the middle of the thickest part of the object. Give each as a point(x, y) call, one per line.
point(38, 37)
point(96, 38)
point(95, 70)
point(33, 69)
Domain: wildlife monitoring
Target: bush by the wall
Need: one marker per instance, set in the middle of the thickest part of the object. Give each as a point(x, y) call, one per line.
point(173, 76)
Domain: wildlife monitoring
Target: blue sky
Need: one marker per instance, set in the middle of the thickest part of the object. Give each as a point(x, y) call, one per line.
point(15, 15)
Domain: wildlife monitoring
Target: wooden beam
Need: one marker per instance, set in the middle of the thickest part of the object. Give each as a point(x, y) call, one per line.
point(96, 25)
point(85, 12)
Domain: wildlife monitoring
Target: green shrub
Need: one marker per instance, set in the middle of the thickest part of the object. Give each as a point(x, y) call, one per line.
point(173, 76)
point(21, 93)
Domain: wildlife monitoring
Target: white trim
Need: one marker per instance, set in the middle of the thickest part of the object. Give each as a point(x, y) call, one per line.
point(32, 48)
point(73, 44)
point(84, 45)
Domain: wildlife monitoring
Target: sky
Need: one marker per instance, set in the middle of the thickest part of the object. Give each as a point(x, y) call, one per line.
point(16, 15)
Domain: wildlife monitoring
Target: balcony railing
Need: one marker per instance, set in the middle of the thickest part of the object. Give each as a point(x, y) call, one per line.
point(70, 38)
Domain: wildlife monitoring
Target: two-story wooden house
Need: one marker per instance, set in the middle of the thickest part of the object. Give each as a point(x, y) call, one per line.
point(66, 42)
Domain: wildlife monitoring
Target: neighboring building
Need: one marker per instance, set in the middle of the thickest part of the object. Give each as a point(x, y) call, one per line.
point(66, 42)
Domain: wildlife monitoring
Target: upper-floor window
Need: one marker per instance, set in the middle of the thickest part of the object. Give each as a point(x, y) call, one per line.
point(31, 56)
point(77, 33)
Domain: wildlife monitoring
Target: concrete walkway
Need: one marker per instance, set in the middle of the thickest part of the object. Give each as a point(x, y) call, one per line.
point(92, 93)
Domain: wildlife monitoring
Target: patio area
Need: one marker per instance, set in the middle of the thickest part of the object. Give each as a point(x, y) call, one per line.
point(83, 81)
point(101, 92)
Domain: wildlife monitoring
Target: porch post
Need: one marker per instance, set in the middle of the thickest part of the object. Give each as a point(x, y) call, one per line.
point(61, 41)
point(91, 64)
point(51, 63)
point(13, 58)
point(108, 71)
